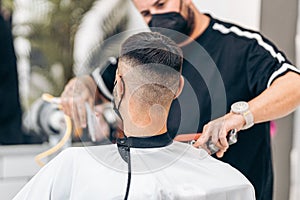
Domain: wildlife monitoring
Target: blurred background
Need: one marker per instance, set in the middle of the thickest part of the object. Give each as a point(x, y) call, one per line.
point(53, 39)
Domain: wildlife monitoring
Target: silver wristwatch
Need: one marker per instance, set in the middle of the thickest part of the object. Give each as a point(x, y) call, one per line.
point(242, 108)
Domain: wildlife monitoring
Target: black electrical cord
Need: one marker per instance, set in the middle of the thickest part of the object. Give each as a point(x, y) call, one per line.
point(129, 175)
point(125, 143)
point(124, 150)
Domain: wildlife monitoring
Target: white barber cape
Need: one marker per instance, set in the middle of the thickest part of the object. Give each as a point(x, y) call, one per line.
point(175, 171)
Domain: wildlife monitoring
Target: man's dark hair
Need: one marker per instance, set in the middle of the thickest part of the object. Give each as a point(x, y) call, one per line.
point(151, 47)
point(156, 62)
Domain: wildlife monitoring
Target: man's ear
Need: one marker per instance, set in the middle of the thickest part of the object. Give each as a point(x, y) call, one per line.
point(180, 88)
point(119, 85)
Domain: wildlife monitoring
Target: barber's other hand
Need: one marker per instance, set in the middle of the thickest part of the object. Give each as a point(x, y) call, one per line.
point(78, 91)
point(218, 129)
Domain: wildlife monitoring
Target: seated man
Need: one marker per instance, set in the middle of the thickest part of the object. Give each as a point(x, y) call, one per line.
point(146, 163)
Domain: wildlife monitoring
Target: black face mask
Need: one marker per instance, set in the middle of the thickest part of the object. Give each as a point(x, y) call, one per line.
point(115, 107)
point(169, 24)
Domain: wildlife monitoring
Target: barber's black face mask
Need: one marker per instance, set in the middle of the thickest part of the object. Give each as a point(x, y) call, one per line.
point(115, 107)
point(170, 23)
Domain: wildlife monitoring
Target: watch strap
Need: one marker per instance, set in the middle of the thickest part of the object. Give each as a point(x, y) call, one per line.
point(248, 116)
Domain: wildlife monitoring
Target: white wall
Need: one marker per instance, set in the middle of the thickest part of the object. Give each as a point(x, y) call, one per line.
point(295, 153)
point(244, 13)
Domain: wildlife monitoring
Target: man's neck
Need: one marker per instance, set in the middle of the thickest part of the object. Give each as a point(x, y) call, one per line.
point(201, 24)
point(132, 130)
point(142, 121)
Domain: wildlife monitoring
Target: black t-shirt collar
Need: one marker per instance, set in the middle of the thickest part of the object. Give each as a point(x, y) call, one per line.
point(146, 142)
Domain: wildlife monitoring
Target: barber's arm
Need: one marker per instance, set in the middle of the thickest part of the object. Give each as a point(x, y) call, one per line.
point(279, 100)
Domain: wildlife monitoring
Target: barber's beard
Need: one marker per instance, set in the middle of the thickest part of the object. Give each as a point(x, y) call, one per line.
point(174, 25)
point(190, 20)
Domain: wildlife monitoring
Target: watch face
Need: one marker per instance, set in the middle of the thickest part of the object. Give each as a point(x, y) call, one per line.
point(240, 107)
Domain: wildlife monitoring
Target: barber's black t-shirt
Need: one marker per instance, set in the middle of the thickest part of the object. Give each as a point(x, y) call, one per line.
point(227, 64)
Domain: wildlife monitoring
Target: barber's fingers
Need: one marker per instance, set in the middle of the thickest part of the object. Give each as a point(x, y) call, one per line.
point(214, 132)
point(81, 113)
point(221, 143)
point(75, 117)
point(223, 138)
point(222, 150)
point(219, 139)
point(205, 147)
point(67, 97)
point(67, 106)
point(101, 127)
point(80, 101)
point(73, 99)
point(204, 137)
point(210, 131)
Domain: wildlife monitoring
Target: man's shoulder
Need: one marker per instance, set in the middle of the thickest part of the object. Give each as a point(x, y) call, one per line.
point(93, 157)
point(226, 28)
point(86, 151)
point(230, 25)
point(189, 166)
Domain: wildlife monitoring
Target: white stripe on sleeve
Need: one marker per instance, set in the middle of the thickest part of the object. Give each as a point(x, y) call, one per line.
point(250, 35)
point(285, 67)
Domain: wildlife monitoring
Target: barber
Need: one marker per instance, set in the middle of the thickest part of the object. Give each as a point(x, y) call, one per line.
point(261, 84)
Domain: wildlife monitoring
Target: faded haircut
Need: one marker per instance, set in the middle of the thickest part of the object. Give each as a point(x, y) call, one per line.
point(155, 64)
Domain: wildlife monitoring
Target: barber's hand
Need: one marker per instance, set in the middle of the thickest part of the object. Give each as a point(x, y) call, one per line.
point(218, 129)
point(78, 91)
